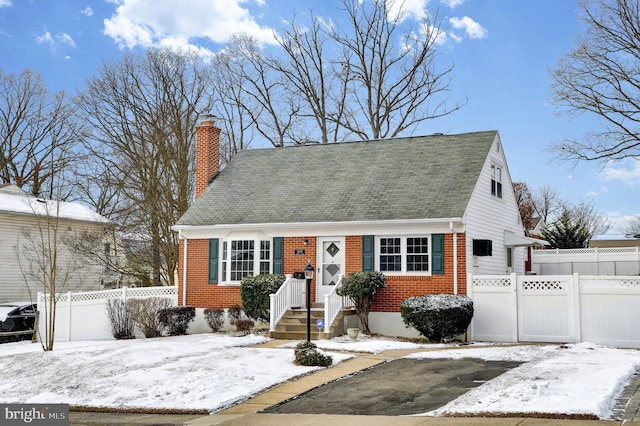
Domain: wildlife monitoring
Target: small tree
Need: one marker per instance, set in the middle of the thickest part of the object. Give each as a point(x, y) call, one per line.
point(566, 233)
point(361, 287)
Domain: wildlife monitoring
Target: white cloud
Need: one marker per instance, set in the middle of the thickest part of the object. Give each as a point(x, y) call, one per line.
point(45, 38)
point(5, 3)
point(66, 39)
point(149, 23)
point(626, 171)
point(87, 11)
point(411, 8)
point(470, 27)
point(453, 3)
point(55, 42)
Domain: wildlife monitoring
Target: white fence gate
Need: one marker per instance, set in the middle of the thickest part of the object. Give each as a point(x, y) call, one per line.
point(556, 308)
point(83, 315)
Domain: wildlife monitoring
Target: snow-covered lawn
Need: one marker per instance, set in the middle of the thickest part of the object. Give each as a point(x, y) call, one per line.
point(212, 371)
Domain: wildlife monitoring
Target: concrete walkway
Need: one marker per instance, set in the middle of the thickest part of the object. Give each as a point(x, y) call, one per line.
point(246, 413)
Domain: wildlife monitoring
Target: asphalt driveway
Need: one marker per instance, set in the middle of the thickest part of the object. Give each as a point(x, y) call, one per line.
point(399, 387)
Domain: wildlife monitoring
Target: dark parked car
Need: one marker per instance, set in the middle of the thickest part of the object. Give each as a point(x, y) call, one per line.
point(17, 316)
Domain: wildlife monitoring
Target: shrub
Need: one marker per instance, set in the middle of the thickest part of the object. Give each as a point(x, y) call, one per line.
point(244, 325)
point(176, 319)
point(235, 313)
point(437, 316)
point(214, 317)
point(255, 292)
point(361, 287)
point(307, 354)
point(119, 314)
point(144, 313)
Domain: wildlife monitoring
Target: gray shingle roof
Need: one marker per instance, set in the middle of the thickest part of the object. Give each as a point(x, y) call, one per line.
point(406, 178)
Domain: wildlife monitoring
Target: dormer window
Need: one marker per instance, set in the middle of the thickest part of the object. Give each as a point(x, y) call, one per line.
point(496, 181)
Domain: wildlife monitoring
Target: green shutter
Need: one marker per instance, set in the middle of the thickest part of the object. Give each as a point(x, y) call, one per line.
point(437, 254)
point(367, 253)
point(213, 260)
point(278, 255)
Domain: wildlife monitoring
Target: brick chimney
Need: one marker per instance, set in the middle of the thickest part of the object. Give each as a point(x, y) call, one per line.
point(207, 153)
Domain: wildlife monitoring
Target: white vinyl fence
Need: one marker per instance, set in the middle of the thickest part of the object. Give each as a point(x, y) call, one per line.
point(587, 261)
point(83, 315)
point(556, 308)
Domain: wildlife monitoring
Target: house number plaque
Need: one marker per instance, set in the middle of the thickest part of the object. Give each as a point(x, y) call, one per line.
point(299, 252)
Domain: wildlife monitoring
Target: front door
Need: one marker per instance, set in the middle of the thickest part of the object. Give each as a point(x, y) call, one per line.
point(330, 265)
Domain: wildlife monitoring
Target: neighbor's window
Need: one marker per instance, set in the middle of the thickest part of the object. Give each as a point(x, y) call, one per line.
point(496, 181)
point(242, 258)
point(403, 254)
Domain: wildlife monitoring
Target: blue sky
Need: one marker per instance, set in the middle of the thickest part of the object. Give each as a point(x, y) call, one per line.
point(502, 51)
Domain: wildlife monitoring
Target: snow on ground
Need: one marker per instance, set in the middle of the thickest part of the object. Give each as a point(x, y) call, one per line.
point(213, 371)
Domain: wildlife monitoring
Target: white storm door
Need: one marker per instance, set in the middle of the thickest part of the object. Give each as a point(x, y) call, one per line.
point(330, 265)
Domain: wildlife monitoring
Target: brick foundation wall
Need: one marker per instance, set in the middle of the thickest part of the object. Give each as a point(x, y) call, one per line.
point(201, 294)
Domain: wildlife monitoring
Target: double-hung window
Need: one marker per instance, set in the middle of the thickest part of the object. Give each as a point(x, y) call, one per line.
point(403, 254)
point(496, 181)
point(242, 258)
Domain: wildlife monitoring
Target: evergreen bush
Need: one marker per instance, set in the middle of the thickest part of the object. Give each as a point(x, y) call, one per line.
point(437, 317)
point(214, 318)
point(255, 291)
point(176, 319)
point(307, 354)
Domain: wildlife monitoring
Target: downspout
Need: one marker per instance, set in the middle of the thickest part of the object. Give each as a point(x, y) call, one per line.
point(455, 258)
point(184, 268)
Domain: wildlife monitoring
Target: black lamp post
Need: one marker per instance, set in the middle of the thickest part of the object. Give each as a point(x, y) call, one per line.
point(308, 275)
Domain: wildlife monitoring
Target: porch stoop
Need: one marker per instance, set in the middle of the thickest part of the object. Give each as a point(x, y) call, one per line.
point(293, 325)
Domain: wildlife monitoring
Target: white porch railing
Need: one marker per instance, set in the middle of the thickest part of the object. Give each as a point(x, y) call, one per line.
point(333, 304)
point(290, 294)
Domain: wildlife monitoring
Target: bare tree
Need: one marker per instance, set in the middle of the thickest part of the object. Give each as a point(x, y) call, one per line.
point(311, 72)
point(392, 77)
point(367, 74)
point(633, 226)
point(263, 94)
point(237, 108)
point(584, 212)
point(144, 110)
point(50, 262)
point(546, 203)
point(600, 78)
point(39, 133)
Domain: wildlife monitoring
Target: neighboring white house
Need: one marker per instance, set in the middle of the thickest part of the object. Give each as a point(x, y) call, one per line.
point(27, 229)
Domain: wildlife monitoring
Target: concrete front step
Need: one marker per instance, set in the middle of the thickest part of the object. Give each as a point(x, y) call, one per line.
point(293, 325)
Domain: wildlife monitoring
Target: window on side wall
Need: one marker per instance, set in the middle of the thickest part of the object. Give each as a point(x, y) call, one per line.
point(242, 258)
point(403, 254)
point(496, 181)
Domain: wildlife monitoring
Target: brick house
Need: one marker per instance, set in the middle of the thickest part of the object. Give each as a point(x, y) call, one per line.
point(424, 210)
